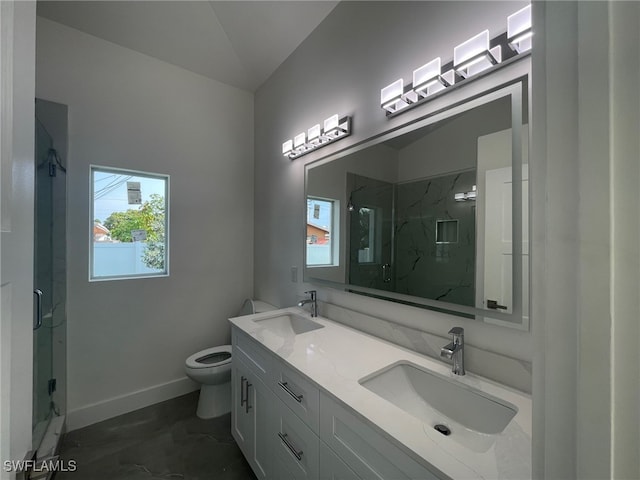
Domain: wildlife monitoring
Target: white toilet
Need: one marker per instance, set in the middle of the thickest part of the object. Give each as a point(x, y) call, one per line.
point(212, 369)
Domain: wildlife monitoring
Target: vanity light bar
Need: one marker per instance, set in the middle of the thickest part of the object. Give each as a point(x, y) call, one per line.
point(475, 55)
point(335, 128)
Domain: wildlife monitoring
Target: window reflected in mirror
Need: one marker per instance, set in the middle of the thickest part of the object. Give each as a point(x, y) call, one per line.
point(320, 220)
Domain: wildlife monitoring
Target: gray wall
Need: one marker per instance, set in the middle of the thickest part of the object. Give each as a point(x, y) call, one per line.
point(340, 68)
point(128, 339)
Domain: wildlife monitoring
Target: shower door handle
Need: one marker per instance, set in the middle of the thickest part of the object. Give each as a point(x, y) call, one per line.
point(38, 319)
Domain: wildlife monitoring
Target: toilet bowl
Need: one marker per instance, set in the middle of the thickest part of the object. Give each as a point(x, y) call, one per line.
point(211, 368)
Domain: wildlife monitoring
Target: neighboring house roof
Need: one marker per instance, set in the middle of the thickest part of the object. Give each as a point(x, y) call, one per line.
point(309, 224)
point(101, 233)
point(99, 229)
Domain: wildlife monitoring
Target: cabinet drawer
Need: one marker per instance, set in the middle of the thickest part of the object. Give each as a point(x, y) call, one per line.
point(257, 358)
point(298, 393)
point(363, 449)
point(296, 446)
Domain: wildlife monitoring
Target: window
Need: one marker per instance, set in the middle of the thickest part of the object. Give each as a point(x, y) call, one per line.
point(320, 221)
point(129, 224)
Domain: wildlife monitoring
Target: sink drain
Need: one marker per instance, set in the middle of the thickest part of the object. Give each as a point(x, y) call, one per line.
point(443, 429)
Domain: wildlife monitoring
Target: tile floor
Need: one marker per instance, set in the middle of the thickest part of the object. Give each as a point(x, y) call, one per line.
point(163, 441)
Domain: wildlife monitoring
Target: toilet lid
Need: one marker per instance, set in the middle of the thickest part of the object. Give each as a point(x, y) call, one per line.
point(211, 357)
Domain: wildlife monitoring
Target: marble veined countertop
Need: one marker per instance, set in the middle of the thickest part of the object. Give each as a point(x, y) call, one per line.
point(336, 357)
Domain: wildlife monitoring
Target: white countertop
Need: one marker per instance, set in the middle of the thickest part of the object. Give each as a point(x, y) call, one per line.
point(336, 357)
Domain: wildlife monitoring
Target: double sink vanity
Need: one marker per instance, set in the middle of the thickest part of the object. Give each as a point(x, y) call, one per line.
point(313, 398)
point(434, 214)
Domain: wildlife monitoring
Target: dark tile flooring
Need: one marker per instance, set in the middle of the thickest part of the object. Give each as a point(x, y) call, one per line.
point(163, 441)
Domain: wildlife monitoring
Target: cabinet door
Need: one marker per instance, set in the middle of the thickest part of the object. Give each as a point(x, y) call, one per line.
point(241, 427)
point(261, 405)
point(251, 417)
point(332, 468)
point(366, 451)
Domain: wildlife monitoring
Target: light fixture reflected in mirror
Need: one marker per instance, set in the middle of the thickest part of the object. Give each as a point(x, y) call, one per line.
point(466, 196)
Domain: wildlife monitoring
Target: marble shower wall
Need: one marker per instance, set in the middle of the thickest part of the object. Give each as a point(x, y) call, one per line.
point(426, 266)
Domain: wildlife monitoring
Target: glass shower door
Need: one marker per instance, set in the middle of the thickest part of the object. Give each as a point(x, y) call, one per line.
point(371, 232)
point(43, 288)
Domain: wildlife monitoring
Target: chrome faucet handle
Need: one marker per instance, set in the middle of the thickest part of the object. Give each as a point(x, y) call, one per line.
point(455, 350)
point(456, 331)
point(313, 301)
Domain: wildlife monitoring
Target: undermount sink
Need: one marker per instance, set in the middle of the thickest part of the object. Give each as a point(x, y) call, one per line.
point(288, 324)
point(438, 401)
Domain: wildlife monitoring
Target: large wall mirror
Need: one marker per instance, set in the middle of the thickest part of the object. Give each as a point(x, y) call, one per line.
point(434, 214)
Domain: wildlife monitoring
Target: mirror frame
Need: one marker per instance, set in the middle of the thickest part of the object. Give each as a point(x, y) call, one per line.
point(511, 79)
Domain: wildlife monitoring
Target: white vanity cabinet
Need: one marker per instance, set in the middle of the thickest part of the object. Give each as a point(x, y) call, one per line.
point(289, 429)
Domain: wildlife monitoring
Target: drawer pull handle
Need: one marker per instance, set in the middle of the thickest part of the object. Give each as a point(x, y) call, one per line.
point(242, 399)
point(285, 387)
point(283, 437)
point(247, 407)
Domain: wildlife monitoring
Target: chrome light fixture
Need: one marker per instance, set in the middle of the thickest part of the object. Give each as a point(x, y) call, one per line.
point(428, 79)
point(335, 128)
point(469, 58)
point(474, 55)
point(287, 147)
point(519, 30)
point(300, 143)
point(392, 97)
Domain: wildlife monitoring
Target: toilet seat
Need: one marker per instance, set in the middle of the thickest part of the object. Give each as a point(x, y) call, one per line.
point(198, 359)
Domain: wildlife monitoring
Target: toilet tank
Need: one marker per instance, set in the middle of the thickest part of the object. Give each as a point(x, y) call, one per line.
point(251, 306)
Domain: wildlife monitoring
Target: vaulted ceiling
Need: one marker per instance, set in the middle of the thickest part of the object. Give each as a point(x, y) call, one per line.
point(240, 43)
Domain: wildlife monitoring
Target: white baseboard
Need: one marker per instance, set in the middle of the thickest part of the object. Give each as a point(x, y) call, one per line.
point(97, 412)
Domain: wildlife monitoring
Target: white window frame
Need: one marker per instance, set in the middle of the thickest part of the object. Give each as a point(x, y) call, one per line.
point(138, 173)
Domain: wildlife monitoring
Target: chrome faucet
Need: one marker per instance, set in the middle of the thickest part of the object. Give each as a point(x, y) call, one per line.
point(455, 350)
point(312, 301)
